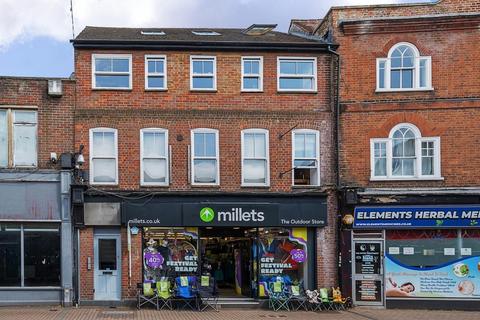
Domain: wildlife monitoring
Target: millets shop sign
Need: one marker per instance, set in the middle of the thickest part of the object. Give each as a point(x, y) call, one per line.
point(295, 213)
point(254, 214)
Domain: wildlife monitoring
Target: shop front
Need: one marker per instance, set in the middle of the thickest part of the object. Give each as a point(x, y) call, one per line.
point(428, 254)
point(242, 242)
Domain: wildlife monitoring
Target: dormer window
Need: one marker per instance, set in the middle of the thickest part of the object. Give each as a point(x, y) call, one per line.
point(205, 33)
point(152, 33)
point(404, 70)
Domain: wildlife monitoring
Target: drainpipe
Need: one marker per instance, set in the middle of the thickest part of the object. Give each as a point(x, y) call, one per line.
point(337, 153)
point(129, 245)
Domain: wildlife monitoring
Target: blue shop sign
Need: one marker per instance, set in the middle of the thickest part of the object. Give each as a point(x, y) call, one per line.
point(393, 217)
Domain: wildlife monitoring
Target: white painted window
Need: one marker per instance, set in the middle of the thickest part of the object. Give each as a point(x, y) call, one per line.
point(154, 165)
point(103, 156)
point(255, 157)
point(203, 73)
point(306, 157)
point(19, 150)
point(156, 72)
point(405, 155)
point(113, 72)
point(404, 70)
point(297, 74)
point(252, 74)
point(205, 157)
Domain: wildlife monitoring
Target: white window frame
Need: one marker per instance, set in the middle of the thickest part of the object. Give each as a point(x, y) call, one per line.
point(10, 131)
point(91, 157)
point(416, 71)
point(418, 156)
point(193, 158)
point(314, 76)
point(166, 157)
point(266, 158)
point(164, 74)
point(317, 141)
point(259, 75)
point(111, 56)
point(214, 74)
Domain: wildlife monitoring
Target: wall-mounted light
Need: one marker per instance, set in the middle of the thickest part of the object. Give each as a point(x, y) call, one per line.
point(348, 219)
point(79, 159)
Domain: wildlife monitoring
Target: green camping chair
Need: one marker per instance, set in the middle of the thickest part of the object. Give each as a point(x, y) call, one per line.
point(146, 295)
point(277, 297)
point(327, 303)
point(298, 300)
point(164, 294)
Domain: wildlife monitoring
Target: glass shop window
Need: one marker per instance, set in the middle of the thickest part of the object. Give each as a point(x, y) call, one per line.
point(169, 252)
point(41, 258)
point(282, 253)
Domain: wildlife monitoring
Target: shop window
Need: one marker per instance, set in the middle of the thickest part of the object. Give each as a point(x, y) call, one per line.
point(112, 72)
point(432, 263)
point(155, 72)
point(205, 157)
point(154, 155)
point(404, 69)
point(169, 252)
point(405, 155)
point(255, 157)
point(203, 73)
point(306, 158)
point(282, 253)
point(41, 260)
point(297, 74)
point(252, 74)
point(21, 149)
point(103, 156)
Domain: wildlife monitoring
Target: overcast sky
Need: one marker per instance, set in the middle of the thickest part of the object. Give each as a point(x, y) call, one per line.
point(34, 34)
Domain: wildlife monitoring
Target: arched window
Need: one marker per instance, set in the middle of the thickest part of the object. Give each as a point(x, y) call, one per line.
point(404, 69)
point(405, 154)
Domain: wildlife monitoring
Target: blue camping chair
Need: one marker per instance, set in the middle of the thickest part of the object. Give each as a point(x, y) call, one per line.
point(186, 292)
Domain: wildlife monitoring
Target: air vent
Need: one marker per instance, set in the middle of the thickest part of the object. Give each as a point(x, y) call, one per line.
point(152, 33)
point(55, 87)
point(259, 29)
point(205, 33)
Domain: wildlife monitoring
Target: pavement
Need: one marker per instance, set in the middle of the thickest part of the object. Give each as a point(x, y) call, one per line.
point(90, 313)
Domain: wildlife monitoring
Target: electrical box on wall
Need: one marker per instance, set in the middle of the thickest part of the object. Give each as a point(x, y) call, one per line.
point(55, 87)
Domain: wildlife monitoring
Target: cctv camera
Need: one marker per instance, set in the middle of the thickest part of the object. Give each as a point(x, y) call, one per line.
point(53, 157)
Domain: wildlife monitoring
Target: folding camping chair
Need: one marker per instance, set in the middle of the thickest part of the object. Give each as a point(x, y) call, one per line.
point(186, 292)
point(313, 301)
point(146, 295)
point(164, 294)
point(327, 303)
point(277, 296)
point(208, 293)
point(298, 299)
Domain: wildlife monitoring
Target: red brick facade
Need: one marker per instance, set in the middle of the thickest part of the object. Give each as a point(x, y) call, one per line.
point(228, 110)
point(450, 111)
point(55, 114)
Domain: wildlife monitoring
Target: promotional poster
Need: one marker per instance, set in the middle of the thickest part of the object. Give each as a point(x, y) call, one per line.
point(456, 279)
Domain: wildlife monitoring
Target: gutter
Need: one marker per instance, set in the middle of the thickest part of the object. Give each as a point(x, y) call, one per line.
point(186, 45)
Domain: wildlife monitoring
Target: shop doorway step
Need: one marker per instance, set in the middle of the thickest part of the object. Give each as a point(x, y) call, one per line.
point(238, 302)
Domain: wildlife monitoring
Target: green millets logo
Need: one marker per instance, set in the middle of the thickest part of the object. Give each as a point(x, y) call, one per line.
point(207, 214)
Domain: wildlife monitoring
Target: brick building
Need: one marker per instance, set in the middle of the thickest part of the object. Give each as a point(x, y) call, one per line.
point(204, 147)
point(36, 252)
point(409, 107)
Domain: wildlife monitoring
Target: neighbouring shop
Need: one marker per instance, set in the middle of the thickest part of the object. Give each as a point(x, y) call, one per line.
point(36, 262)
point(426, 254)
point(242, 242)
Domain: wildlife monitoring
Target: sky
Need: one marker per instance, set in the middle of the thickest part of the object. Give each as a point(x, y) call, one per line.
point(35, 34)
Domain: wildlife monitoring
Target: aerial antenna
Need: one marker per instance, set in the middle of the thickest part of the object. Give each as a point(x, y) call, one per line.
point(73, 23)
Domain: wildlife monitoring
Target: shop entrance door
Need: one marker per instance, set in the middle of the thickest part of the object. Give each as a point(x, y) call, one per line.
point(107, 267)
point(367, 269)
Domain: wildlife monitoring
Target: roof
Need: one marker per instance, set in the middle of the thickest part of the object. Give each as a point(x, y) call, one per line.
point(307, 25)
point(185, 38)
